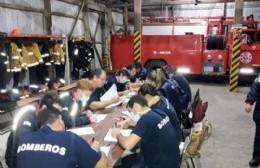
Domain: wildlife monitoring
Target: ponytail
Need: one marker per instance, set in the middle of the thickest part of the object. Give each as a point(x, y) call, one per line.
point(157, 76)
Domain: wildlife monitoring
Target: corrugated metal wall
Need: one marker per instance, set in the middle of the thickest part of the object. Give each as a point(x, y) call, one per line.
point(93, 20)
point(213, 9)
point(26, 22)
point(216, 9)
point(33, 23)
point(63, 25)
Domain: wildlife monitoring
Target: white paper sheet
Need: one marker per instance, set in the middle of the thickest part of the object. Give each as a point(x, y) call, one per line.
point(115, 104)
point(82, 131)
point(181, 147)
point(109, 138)
point(126, 100)
point(126, 113)
point(105, 149)
point(112, 92)
point(131, 94)
point(126, 153)
point(100, 117)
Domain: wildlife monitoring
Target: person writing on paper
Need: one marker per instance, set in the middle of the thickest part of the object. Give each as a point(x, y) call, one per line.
point(159, 145)
point(28, 122)
point(134, 83)
point(168, 88)
point(155, 101)
point(120, 79)
point(141, 72)
point(98, 79)
point(53, 147)
point(75, 104)
point(172, 73)
point(132, 72)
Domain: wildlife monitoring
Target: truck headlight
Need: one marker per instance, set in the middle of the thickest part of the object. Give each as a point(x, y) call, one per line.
point(183, 70)
point(246, 70)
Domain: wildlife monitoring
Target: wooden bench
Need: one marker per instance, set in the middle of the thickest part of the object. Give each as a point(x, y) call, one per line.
point(66, 88)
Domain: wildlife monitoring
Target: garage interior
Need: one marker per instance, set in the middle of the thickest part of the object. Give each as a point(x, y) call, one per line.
point(101, 24)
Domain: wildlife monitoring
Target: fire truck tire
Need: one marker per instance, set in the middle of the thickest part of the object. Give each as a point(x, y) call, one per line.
point(151, 65)
point(216, 43)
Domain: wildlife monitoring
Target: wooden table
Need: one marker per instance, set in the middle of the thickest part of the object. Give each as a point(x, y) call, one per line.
point(101, 130)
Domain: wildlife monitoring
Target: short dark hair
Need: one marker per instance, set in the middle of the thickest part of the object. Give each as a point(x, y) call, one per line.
point(138, 65)
point(95, 72)
point(123, 72)
point(130, 67)
point(49, 99)
point(147, 88)
point(48, 115)
point(137, 99)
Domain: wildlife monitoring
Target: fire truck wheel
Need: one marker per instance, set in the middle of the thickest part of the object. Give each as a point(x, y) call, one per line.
point(151, 65)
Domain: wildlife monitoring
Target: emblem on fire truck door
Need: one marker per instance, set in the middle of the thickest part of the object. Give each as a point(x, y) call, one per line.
point(245, 57)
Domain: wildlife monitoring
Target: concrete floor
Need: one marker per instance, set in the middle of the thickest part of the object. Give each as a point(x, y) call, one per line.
point(231, 143)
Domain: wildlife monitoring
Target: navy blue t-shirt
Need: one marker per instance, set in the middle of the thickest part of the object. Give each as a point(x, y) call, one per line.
point(158, 140)
point(28, 123)
point(166, 107)
point(53, 149)
point(170, 91)
point(132, 79)
point(96, 95)
point(184, 84)
point(67, 103)
point(142, 74)
point(111, 81)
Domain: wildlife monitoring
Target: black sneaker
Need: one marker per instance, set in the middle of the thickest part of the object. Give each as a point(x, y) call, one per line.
point(254, 163)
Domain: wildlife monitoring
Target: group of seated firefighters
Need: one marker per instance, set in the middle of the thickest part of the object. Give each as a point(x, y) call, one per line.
point(40, 139)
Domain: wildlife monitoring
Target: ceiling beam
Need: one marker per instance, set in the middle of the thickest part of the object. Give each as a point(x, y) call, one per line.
point(183, 2)
point(96, 7)
point(91, 5)
point(19, 7)
point(71, 2)
point(230, 6)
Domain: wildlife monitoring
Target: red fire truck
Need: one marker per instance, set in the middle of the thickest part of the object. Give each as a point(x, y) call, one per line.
point(192, 45)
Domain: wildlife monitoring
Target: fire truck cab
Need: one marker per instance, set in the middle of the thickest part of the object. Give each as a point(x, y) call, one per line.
point(201, 46)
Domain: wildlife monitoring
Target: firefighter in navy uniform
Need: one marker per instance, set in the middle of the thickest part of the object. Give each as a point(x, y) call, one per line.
point(98, 78)
point(27, 123)
point(75, 104)
point(154, 131)
point(182, 82)
point(155, 101)
point(141, 72)
point(168, 88)
point(252, 97)
point(53, 147)
point(120, 79)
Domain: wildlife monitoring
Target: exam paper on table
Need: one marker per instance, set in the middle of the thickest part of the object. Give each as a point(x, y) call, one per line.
point(105, 149)
point(114, 104)
point(126, 100)
point(82, 131)
point(100, 117)
point(109, 138)
point(112, 92)
point(126, 113)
